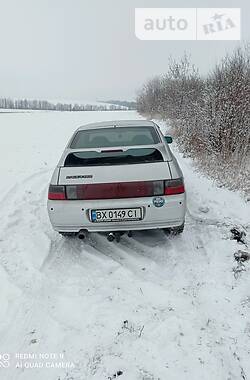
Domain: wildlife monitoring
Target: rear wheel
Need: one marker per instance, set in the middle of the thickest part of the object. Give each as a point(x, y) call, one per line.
point(174, 230)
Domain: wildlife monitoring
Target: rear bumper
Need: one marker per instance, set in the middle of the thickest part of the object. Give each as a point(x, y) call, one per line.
point(72, 216)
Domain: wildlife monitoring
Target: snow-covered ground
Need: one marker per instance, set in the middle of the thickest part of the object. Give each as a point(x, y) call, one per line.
point(150, 307)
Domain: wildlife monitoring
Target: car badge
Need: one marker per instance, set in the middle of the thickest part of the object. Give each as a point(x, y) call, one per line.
point(158, 201)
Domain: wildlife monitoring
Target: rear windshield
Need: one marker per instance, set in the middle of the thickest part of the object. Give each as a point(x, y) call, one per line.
point(116, 136)
point(130, 156)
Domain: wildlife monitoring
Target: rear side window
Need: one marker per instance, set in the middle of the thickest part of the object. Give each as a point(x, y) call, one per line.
point(118, 157)
point(113, 137)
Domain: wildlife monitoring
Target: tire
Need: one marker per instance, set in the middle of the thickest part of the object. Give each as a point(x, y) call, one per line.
point(174, 230)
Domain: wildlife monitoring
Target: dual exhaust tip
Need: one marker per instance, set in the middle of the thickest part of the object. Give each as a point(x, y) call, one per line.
point(117, 235)
point(111, 235)
point(114, 236)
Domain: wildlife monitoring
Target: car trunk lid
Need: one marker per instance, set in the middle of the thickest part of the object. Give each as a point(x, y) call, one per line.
point(113, 174)
point(112, 165)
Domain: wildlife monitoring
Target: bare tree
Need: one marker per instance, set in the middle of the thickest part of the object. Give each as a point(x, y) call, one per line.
point(210, 116)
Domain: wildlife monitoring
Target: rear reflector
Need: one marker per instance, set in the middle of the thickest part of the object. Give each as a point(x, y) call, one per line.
point(174, 186)
point(115, 190)
point(56, 192)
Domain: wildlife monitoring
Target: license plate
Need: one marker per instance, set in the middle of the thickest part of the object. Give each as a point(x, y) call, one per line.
point(116, 215)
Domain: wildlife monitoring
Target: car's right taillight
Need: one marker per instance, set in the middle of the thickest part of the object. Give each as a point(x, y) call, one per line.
point(56, 192)
point(174, 186)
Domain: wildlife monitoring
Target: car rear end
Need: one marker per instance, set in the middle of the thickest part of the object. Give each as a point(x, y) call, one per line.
point(116, 187)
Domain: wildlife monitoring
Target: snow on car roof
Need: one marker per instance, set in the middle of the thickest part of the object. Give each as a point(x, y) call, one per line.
point(119, 123)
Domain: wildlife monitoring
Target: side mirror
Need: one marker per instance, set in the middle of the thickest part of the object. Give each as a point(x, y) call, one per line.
point(169, 139)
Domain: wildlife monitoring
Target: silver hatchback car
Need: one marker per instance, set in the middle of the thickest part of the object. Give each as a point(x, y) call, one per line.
point(116, 177)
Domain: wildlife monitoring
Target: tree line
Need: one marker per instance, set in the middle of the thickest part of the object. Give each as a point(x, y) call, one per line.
point(25, 104)
point(130, 105)
point(209, 116)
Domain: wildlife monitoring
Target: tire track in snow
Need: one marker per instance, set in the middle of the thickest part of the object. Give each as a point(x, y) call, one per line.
point(17, 188)
point(20, 226)
point(25, 197)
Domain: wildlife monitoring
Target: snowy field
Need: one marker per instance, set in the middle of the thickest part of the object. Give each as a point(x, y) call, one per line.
point(150, 307)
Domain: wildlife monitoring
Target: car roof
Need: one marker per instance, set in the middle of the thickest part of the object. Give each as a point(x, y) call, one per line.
point(118, 123)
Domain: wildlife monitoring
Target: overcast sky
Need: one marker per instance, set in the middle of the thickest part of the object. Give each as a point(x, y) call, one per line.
point(87, 50)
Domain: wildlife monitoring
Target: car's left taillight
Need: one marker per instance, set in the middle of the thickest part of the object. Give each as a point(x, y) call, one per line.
point(56, 192)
